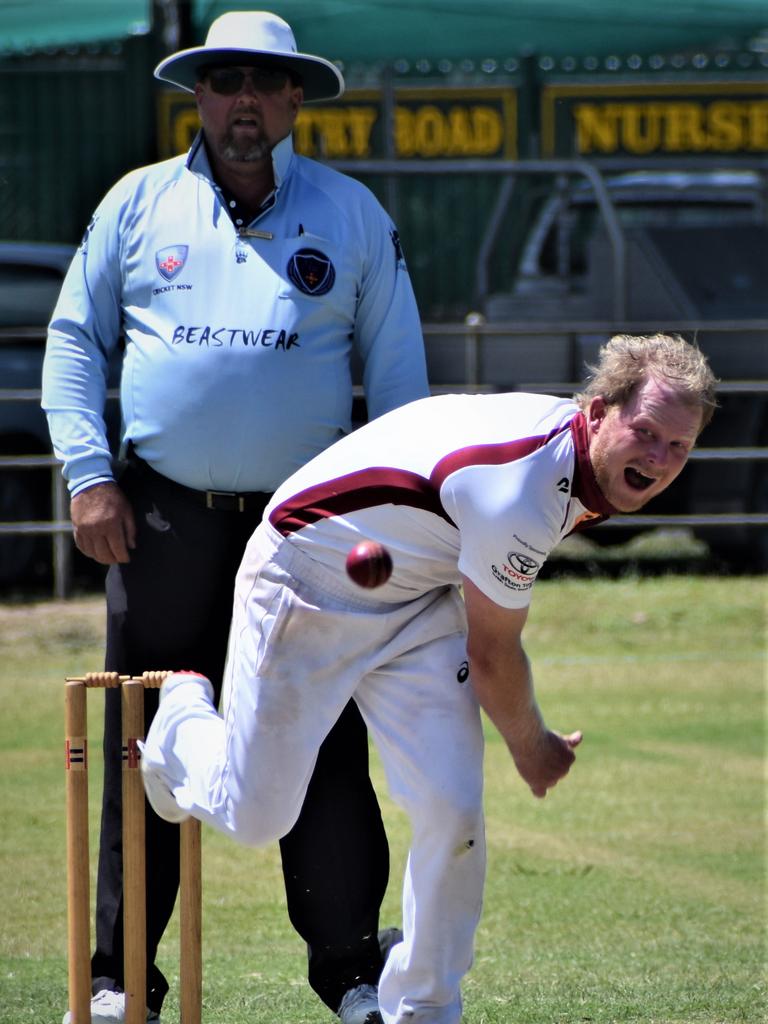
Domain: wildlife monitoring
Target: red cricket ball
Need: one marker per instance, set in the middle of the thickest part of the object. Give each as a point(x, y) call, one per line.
point(369, 564)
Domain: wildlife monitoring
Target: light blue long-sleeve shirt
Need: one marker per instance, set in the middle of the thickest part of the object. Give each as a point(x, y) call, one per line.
point(237, 364)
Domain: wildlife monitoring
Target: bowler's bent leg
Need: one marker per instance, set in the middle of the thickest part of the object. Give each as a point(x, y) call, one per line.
point(186, 749)
point(246, 774)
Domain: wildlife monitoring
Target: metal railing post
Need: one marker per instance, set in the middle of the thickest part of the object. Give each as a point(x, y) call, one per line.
point(62, 542)
point(472, 349)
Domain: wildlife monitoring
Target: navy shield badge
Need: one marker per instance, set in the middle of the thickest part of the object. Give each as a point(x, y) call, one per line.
point(311, 271)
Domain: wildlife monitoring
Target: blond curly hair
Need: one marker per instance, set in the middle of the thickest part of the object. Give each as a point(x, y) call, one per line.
point(627, 361)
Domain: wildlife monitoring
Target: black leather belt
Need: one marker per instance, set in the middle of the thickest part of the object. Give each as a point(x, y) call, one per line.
point(217, 501)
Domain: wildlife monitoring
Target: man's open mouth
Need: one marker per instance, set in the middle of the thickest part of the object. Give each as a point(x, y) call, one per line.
point(637, 480)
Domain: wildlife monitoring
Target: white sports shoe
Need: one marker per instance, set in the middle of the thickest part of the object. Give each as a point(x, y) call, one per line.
point(360, 1006)
point(108, 1007)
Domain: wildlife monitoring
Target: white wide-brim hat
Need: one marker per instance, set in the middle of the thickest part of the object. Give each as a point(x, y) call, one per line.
point(239, 37)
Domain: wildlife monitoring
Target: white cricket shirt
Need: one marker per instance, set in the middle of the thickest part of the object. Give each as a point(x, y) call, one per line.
point(479, 485)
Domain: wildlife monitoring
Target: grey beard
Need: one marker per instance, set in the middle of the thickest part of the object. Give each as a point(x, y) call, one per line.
point(243, 152)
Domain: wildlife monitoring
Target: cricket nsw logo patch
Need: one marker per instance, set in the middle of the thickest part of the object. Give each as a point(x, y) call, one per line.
point(517, 572)
point(311, 271)
point(170, 261)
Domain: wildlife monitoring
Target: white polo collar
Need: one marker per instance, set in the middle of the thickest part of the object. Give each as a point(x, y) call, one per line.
point(282, 154)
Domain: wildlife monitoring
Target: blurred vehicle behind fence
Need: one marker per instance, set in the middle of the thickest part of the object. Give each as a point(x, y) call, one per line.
point(31, 274)
point(30, 278)
point(695, 247)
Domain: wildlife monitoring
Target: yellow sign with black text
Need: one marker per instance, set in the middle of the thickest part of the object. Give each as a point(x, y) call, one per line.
point(722, 118)
point(445, 123)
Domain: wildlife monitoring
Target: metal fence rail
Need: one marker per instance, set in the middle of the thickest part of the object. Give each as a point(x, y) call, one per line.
point(59, 528)
point(474, 331)
point(477, 332)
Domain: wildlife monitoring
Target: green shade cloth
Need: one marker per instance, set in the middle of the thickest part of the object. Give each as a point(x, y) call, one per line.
point(385, 30)
point(37, 24)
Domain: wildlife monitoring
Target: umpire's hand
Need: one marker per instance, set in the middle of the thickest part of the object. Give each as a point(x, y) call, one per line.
point(103, 522)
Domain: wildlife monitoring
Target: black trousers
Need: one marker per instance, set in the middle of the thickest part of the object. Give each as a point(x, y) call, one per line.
point(170, 608)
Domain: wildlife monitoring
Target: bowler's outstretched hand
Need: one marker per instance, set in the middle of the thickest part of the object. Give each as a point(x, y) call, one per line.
point(547, 761)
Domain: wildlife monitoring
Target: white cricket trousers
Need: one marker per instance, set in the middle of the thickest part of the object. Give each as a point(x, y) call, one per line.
point(303, 642)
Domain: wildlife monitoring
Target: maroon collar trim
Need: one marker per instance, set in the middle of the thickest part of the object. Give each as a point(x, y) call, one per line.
point(585, 486)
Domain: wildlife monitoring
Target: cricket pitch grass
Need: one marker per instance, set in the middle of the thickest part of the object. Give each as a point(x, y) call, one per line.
point(635, 892)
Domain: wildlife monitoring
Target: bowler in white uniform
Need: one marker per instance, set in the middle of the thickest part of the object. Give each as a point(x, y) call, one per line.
point(469, 494)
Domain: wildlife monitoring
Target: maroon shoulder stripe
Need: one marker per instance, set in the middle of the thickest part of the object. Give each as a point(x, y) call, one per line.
point(490, 454)
point(366, 488)
point(384, 485)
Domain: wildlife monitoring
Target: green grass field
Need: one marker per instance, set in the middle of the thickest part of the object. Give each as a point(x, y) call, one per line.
point(635, 892)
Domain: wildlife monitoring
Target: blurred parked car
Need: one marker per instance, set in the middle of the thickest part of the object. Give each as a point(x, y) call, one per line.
point(696, 251)
point(31, 274)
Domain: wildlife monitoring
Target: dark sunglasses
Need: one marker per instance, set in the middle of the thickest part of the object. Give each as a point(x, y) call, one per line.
point(229, 81)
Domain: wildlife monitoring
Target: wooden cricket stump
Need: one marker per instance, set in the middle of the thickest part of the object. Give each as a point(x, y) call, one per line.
point(134, 860)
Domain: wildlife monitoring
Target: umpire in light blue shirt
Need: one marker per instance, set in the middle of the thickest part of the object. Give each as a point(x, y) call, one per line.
point(241, 278)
